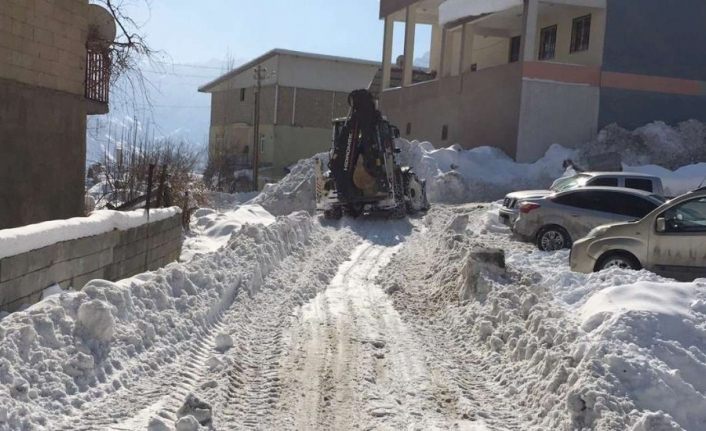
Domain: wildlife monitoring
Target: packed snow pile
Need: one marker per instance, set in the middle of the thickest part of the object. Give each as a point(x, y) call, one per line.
point(616, 350)
point(211, 229)
point(456, 175)
point(655, 143)
point(31, 237)
point(76, 348)
point(295, 192)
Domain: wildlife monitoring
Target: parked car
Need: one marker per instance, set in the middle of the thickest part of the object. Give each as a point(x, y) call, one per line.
point(556, 221)
point(670, 241)
point(510, 209)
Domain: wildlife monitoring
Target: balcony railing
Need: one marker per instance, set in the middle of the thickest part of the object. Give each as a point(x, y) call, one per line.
point(98, 75)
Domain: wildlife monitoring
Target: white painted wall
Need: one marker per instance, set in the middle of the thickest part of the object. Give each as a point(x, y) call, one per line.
point(555, 113)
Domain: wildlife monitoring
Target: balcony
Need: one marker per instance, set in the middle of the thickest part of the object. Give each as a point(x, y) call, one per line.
point(97, 84)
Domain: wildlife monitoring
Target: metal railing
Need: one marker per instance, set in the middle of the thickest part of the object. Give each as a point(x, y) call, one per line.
point(97, 75)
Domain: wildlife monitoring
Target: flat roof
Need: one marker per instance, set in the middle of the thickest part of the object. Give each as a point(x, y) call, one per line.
point(207, 87)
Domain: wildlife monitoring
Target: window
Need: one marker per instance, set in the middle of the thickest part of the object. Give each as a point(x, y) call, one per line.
point(688, 217)
point(580, 33)
point(547, 43)
point(633, 206)
point(242, 94)
point(445, 132)
point(639, 184)
point(515, 44)
point(608, 202)
point(603, 182)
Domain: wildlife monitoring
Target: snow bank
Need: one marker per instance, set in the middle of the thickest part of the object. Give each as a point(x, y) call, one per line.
point(78, 347)
point(295, 192)
point(27, 238)
point(616, 350)
point(211, 230)
point(452, 10)
point(455, 175)
point(655, 143)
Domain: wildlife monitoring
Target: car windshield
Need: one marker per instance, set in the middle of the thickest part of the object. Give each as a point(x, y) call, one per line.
point(569, 183)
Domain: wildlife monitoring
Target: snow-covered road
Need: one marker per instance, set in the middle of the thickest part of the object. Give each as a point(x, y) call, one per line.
point(357, 325)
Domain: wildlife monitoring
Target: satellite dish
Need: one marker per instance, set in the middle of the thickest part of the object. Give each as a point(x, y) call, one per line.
point(101, 25)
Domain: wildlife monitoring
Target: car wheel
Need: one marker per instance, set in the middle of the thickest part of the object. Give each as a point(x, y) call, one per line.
point(553, 238)
point(618, 260)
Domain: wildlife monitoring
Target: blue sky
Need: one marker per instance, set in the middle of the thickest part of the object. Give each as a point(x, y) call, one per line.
point(196, 31)
point(197, 36)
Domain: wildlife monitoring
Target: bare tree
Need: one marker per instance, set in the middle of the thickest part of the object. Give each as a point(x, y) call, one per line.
point(129, 52)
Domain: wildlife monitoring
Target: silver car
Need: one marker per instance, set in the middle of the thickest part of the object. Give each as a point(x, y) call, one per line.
point(556, 221)
point(631, 180)
point(670, 241)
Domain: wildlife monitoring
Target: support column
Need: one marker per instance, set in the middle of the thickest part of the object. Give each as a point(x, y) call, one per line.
point(436, 48)
point(529, 31)
point(409, 33)
point(387, 52)
point(444, 55)
point(467, 48)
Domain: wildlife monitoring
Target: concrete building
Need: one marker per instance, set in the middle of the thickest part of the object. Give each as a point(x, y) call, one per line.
point(301, 93)
point(522, 75)
point(54, 71)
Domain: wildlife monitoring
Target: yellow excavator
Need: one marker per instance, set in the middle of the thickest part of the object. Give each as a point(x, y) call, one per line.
point(363, 175)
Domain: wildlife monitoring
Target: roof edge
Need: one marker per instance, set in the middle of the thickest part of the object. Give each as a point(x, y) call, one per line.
point(206, 88)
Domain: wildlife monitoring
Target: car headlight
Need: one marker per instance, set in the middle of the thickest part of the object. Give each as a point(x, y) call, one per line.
point(600, 230)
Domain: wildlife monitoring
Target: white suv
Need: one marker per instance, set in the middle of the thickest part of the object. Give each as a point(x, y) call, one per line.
point(630, 180)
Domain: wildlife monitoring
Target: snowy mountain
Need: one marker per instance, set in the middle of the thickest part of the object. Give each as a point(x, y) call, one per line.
point(172, 108)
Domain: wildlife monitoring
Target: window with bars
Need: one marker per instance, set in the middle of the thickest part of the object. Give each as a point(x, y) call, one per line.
point(580, 33)
point(97, 83)
point(547, 43)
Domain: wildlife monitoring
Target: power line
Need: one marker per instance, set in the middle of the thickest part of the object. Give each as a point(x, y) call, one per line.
point(194, 66)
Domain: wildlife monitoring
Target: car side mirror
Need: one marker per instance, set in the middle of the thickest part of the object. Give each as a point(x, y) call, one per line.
point(661, 225)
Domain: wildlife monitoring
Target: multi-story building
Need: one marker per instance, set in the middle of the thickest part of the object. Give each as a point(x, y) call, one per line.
point(54, 71)
point(522, 75)
point(300, 94)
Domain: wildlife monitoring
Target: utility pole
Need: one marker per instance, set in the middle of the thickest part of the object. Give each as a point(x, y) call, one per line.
point(260, 73)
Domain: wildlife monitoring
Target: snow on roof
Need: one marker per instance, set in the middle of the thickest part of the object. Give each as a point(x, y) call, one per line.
point(453, 10)
point(35, 236)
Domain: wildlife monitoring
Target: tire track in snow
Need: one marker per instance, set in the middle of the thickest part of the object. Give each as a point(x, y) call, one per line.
point(353, 362)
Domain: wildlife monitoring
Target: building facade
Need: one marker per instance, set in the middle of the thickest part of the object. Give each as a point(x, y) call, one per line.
point(53, 73)
point(522, 75)
point(300, 94)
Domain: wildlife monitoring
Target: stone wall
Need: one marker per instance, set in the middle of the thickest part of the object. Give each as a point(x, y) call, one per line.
point(71, 264)
point(43, 43)
point(42, 154)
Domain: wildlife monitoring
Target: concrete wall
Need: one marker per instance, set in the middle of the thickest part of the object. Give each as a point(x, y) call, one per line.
point(479, 108)
point(42, 154)
point(656, 37)
point(324, 74)
point(663, 41)
point(555, 113)
point(111, 256)
point(632, 109)
point(43, 43)
point(298, 110)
